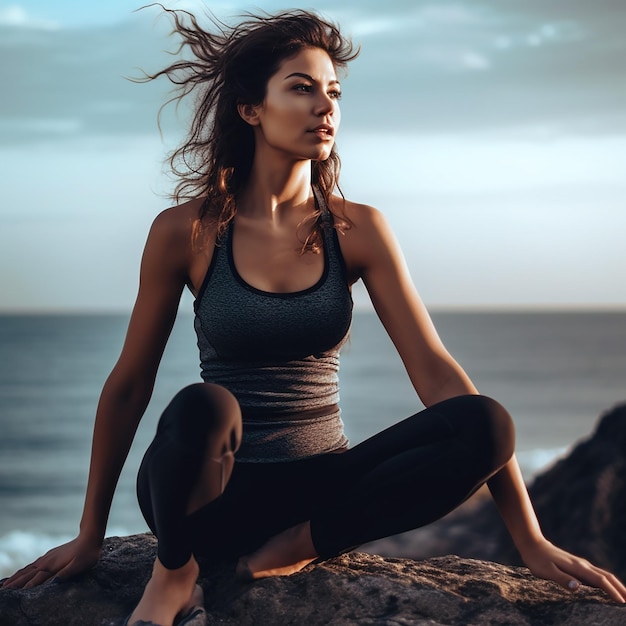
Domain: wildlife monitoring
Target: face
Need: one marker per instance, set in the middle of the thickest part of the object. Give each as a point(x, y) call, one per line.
point(300, 114)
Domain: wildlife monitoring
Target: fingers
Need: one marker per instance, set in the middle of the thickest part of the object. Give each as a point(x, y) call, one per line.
point(562, 578)
point(70, 570)
point(39, 571)
point(575, 571)
point(597, 577)
point(569, 571)
point(29, 576)
point(60, 563)
point(41, 576)
point(13, 582)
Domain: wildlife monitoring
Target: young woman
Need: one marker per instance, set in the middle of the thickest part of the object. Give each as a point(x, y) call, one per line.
point(253, 462)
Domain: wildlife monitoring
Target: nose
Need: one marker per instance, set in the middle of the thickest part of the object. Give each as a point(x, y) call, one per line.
point(324, 104)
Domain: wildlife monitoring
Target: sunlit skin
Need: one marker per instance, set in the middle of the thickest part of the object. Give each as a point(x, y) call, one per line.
point(300, 114)
point(292, 126)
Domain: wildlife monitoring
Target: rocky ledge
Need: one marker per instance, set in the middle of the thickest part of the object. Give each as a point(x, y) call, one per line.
point(581, 503)
point(357, 588)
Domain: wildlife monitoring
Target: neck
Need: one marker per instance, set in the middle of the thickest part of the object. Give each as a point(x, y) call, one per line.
point(276, 190)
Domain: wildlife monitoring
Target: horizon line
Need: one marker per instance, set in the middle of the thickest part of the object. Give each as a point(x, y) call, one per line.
point(359, 307)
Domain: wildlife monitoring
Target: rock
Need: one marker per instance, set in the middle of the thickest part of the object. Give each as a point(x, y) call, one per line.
point(354, 589)
point(580, 502)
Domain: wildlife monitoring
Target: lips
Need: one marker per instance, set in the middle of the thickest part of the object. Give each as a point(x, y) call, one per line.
point(323, 129)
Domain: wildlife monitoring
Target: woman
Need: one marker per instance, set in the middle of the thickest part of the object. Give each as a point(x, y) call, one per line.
point(253, 462)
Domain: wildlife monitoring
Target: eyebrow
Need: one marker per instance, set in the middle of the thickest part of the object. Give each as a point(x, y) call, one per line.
point(308, 77)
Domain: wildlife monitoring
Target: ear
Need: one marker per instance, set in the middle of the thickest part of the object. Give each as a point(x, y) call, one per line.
point(249, 114)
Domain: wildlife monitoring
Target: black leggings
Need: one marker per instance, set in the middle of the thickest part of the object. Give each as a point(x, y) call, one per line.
point(404, 477)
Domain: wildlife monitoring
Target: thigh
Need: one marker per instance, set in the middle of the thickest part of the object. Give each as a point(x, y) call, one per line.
point(474, 421)
point(425, 428)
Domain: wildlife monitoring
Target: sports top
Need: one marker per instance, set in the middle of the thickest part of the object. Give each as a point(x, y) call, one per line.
point(278, 353)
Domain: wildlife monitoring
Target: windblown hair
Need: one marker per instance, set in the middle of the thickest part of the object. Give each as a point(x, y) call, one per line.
point(232, 66)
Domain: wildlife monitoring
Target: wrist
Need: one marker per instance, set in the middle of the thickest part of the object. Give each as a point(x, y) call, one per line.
point(529, 541)
point(91, 534)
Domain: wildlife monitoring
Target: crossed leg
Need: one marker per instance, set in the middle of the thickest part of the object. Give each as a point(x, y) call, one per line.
point(186, 467)
point(407, 476)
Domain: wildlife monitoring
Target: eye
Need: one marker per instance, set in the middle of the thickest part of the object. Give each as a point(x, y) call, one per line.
point(303, 88)
point(335, 94)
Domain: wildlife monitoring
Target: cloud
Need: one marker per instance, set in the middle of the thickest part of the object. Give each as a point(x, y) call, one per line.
point(552, 65)
point(425, 66)
point(411, 19)
point(376, 26)
point(15, 16)
point(19, 127)
point(453, 59)
point(75, 81)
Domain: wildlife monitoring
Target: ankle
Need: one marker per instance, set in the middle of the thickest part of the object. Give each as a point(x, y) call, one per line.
point(188, 566)
point(188, 572)
point(167, 593)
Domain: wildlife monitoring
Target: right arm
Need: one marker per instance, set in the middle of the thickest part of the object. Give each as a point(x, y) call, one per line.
point(125, 396)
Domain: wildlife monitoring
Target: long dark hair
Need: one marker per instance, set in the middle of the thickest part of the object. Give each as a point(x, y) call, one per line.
point(232, 66)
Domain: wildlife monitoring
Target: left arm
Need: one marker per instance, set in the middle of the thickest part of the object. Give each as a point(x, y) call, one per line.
point(372, 253)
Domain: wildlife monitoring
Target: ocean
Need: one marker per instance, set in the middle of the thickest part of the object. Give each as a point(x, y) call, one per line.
point(556, 372)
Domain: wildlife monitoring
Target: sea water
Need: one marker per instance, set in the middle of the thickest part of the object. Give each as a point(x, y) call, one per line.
point(555, 372)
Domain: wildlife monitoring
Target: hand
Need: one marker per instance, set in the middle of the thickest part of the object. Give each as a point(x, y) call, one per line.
point(545, 560)
point(62, 562)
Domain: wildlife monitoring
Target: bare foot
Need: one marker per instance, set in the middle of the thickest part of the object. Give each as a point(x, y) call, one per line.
point(196, 600)
point(282, 555)
point(168, 593)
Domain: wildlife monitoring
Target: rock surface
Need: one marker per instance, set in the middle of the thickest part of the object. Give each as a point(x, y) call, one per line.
point(354, 589)
point(581, 503)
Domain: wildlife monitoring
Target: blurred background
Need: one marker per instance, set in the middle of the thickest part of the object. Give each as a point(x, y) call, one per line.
point(492, 134)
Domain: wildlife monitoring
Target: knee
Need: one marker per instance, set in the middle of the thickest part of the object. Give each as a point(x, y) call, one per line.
point(498, 430)
point(485, 426)
point(204, 408)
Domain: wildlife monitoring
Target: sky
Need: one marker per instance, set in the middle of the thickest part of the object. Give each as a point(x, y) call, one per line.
point(491, 133)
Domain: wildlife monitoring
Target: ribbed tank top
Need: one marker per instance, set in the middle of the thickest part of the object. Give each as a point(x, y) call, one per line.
point(278, 353)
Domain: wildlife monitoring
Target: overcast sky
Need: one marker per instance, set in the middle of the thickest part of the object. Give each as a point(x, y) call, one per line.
point(492, 134)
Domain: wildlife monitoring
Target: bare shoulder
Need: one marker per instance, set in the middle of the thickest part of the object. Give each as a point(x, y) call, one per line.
point(178, 222)
point(366, 235)
point(180, 230)
point(356, 214)
point(183, 241)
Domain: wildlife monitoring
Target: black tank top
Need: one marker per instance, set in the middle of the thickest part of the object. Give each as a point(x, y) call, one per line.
point(278, 353)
